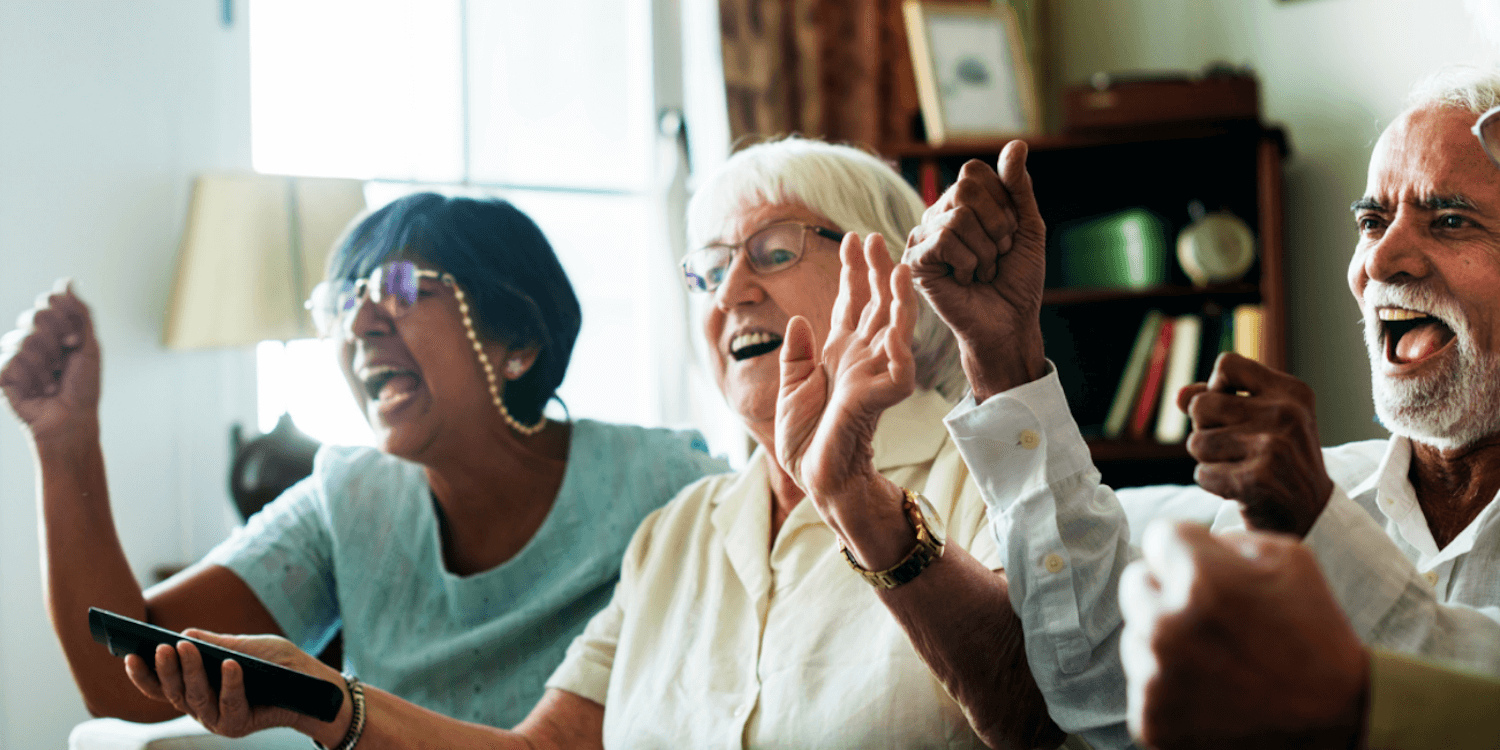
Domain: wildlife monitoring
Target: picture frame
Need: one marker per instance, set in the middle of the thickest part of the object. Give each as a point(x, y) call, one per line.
point(974, 81)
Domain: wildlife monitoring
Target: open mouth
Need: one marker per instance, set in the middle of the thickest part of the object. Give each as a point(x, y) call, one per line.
point(388, 384)
point(747, 345)
point(1412, 335)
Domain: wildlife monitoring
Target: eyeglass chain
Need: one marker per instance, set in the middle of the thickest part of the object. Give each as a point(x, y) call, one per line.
point(489, 371)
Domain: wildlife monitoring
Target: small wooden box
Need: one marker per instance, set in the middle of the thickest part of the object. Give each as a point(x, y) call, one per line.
point(1128, 104)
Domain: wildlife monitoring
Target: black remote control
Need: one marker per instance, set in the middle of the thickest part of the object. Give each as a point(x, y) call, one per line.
point(266, 684)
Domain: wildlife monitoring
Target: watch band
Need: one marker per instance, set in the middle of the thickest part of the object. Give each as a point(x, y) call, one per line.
point(928, 549)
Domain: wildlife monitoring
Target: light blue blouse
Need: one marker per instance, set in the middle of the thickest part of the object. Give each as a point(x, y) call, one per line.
point(356, 545)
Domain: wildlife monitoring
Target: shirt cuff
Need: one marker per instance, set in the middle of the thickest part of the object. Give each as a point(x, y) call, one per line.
point(1415, 705)
point(1020, 441)
point(1366, 571)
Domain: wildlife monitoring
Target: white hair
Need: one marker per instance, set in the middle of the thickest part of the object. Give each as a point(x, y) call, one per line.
point(855, 190)
point(1467, 87)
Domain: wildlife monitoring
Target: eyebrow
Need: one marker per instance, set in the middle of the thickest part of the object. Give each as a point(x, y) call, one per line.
point(1428, 203)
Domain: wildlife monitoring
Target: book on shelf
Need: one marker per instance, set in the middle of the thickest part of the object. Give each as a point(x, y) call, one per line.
point(1182, 365)
point(1247, 331)
point(1215, 323)
point(1130, 380)
point(1156, 370)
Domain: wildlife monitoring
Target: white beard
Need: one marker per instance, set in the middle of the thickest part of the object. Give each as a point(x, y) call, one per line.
point(1448, 409)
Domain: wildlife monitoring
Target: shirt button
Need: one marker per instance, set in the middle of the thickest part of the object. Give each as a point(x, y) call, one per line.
point(1431, 576)
point(1030, 440)
point(1053, 562)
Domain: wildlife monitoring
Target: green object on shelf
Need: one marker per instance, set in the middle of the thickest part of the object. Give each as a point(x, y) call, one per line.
point(1124, 249)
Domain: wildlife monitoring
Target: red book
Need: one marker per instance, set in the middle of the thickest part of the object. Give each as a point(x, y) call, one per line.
point(1156, 372)
point(930, 191)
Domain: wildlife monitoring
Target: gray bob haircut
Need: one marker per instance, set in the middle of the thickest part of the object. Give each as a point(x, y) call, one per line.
point(858, 193)
point(1458, 87)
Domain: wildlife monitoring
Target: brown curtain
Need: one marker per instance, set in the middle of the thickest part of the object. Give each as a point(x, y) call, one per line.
point(812, 67)
point(837, 69)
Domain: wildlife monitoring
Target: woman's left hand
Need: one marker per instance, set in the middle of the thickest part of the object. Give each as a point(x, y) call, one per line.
point(830, 401)
point(179, 679)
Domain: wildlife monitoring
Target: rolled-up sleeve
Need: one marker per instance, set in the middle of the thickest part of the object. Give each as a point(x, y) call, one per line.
point(1065, 540)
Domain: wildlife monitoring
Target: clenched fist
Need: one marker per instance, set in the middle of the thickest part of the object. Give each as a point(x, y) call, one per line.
point(1255, 436)
point(49, 366)
point(979, 257)
point(1235, 641)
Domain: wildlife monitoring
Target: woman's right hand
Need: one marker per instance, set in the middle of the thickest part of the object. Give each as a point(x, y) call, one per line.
point(179, 679)
point(49, 366)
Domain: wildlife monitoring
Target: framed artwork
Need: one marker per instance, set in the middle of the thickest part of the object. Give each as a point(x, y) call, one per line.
point(973, 78)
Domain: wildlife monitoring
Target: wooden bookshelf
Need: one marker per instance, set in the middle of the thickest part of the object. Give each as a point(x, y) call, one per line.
point(1236, 167)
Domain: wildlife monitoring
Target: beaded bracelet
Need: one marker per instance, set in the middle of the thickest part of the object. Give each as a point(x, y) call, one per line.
point(357, 723)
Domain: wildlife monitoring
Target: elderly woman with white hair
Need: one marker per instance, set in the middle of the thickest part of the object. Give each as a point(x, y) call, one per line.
point(745, 616)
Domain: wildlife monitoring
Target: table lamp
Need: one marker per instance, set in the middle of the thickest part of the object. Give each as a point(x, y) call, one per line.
point(252, 251)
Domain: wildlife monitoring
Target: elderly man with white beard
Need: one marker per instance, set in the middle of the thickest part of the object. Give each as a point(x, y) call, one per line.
point(1404, 530)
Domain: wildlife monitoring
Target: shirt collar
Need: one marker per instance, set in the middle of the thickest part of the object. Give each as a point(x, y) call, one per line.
point(910, 432)
point(1396, 499)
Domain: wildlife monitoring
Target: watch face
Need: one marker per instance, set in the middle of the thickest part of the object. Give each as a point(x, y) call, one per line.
point(934, 522)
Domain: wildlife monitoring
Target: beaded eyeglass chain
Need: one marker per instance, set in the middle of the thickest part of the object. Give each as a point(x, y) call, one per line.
point(489, 369)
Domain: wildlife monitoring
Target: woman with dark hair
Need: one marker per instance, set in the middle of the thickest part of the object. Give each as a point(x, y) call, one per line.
point(461, 557)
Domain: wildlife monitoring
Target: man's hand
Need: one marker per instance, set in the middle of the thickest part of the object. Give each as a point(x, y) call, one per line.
point(831, 401)
point(49, 366)
point(979, 257)
point(1260, 449)
point(1235, 641)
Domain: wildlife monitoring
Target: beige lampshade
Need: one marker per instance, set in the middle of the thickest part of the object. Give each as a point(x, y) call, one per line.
point(252, 251)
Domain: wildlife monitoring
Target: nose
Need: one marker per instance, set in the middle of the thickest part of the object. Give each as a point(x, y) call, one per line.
point(1398, 255)
point(741, 284)
point(367, 319)
point(1400, 250)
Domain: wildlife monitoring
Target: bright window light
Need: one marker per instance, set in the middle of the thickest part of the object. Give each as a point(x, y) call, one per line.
point(560, 121)
point(357, 88)
point(302, 378)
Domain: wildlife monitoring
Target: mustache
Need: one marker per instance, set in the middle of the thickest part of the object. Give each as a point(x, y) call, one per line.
point(1419, 297)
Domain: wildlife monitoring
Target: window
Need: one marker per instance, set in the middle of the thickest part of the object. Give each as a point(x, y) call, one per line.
point(551, 106)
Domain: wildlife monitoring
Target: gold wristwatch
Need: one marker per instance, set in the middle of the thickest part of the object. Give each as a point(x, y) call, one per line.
point(923, 518)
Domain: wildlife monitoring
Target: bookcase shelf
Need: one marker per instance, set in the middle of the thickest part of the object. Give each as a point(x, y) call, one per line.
point(1089, 295)
point(1089, 331)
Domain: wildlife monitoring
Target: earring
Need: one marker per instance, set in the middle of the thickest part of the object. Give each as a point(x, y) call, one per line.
point(514, 368)
point(489, 371)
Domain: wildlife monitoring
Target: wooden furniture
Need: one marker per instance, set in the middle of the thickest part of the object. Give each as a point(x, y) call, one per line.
point(1089, 332)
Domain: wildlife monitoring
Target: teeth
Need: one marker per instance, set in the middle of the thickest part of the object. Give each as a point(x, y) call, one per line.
point(1396, 313)
point(378, 371)
point(751, 339)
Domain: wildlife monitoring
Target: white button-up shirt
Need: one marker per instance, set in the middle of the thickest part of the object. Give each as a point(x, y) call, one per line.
point(718, 637)
point(1065, 539)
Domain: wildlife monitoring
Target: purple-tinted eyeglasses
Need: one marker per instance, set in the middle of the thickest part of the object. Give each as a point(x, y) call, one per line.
point(395, 286)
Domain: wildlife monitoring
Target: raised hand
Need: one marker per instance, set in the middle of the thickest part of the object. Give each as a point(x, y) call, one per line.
point(1235, 641)
point(179, 679)
point(49, 366)
point(979, 257)
point(1260, 449)
point(830, 401)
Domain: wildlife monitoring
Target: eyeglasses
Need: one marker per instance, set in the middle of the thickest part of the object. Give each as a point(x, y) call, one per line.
point(775, 248)
point(1487, 130)
point(395, 286)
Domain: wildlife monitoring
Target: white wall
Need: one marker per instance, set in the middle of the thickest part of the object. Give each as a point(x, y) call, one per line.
point(107, 109)
point(1333, 73)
